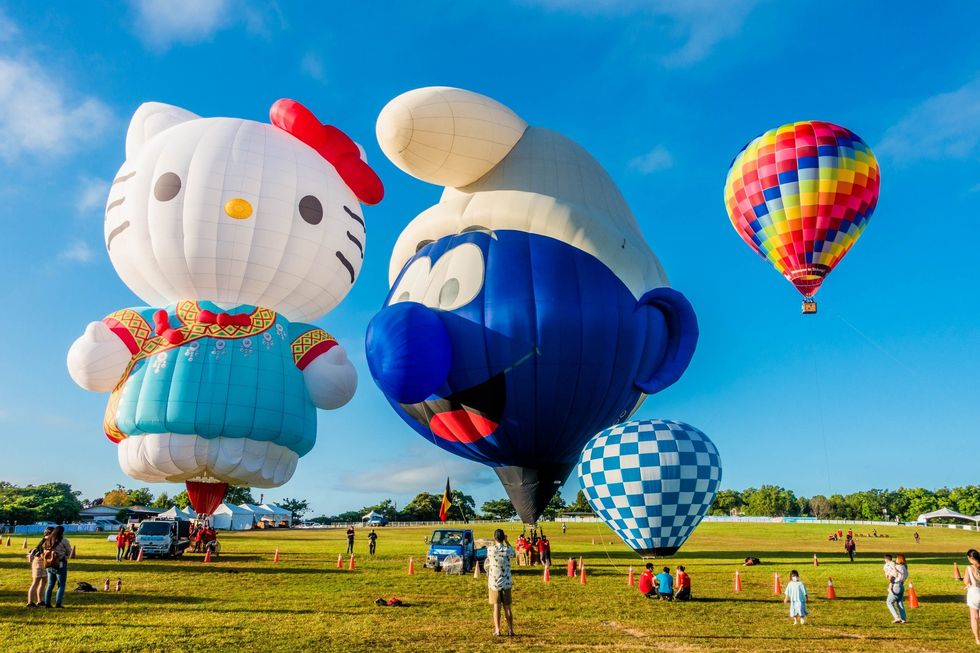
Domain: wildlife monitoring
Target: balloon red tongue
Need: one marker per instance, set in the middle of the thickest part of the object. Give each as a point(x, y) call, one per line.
point(206, 497)
point(461, 426)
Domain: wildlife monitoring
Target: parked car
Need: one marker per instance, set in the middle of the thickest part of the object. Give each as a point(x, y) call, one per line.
point(454, 543)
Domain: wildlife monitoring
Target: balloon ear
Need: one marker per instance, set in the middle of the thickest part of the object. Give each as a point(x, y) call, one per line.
point(672, 336)
point(151, 119)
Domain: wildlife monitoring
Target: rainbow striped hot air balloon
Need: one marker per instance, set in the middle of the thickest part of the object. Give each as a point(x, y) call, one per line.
point(800, 195)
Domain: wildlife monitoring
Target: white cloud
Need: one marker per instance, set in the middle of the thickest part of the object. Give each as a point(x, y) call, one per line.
point(691, 28)
point(8, 30)
point(312, 66)
point(38, 116)
point(91, 194)
point(945, 126)
point(77, 251)
point(411, 477)
point(653, 161)
point(163, 23)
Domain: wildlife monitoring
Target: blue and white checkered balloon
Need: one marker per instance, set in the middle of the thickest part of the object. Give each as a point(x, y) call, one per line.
point(652, 481)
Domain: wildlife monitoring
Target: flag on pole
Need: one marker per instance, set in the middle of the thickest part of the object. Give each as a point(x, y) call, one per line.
point(446, 504)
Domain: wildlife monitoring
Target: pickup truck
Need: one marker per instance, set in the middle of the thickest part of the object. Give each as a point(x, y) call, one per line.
point(460, 542)
point(164, 537)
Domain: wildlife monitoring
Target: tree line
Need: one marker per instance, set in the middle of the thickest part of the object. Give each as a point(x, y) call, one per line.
point(57, 502)
point(904, 504)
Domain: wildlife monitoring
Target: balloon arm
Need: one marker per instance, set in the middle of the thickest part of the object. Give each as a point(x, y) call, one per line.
point(671, 341)
point(98, 358)
point(331, 379)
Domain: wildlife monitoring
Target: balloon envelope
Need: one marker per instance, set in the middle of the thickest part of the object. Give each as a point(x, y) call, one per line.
point(800, 195)
point(651, 481)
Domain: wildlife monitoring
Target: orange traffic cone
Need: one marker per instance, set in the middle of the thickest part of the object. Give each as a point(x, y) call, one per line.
point(629, 577)
point(411, 566)
point(275, 556)
point(738, 581)
point(956, 568)
point(581, 578)
point(571, 568)
point(476, 570)
point(816, 563)
point(913, 597)
point(139, 556)
point(207, 555)
point(340, 561)
point(831, 592)
point(350, 565)
point(73, 550)
point(547, 573)
point(777, 588)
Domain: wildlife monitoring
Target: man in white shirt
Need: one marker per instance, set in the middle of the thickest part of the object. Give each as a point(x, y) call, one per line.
point(499, 580)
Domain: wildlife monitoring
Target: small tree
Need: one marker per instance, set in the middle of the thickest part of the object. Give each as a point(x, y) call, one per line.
point(162, 501)
point(117, 497)
point(296, 507)
point(581, 503)
point(554, 507)
point(498, 509)
point(140, 497)
point(239, 495)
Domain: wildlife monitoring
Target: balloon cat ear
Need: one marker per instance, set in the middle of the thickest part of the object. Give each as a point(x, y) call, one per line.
point(672, 336)
point(151, 119)
point(447, 136)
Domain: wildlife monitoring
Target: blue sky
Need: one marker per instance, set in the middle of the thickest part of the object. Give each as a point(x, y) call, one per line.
point(878, 390)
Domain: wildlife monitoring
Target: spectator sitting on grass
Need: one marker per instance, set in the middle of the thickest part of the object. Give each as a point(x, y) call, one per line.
point(666, 585)
point(683, 585)
point(646, 582)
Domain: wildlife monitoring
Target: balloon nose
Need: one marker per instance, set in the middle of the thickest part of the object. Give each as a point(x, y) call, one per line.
point(238, 208)
point(409, 352)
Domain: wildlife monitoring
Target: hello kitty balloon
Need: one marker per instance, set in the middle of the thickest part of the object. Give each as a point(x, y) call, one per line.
point(237, 234)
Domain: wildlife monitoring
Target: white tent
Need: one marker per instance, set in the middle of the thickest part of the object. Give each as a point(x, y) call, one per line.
point(279, 513)
point(177, 513)
point(230, 517)
point(945, 513)
point(260, 513)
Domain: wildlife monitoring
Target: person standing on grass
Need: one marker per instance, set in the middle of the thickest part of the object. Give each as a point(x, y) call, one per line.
point(544, 550)
point(896, 590)
point(646, 582)
point(972, 583)
point(56, 551)
point(121, 544)
point(130, 540)
point(499, 580)
point(39, 577)
point(795, 595)
point(350, 539)
point(372, 541)
point(849, 547)
point(666, 585)
point(916, 536)
point(683, 585)
point(564, 528)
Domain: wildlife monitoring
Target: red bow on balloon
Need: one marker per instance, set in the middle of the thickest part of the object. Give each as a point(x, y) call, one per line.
point(333, 145)
point(224, 319)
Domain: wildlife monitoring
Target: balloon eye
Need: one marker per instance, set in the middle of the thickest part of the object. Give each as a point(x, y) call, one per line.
point(311, 210)
point(449, 292)
point(167, 187)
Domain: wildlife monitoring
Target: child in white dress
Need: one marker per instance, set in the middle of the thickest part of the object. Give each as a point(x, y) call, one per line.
point(795, 595)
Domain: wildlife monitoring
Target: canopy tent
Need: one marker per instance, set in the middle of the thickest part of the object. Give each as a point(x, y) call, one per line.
point(230, 517)
point(177, 513)
point(946, 513)
point(260, 512)
point(279, 514)
point(374, 514)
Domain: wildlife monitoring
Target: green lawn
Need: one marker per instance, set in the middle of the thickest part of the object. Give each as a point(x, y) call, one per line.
point(245, 602)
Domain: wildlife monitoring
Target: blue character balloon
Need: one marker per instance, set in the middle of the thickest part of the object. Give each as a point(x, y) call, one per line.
point(526, 312)
point(651, 481)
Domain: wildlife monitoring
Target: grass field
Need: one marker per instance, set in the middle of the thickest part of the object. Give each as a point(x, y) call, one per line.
point(245, 602)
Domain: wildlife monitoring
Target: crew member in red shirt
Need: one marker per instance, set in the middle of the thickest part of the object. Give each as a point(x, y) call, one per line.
point(683, 585)
point(646, 582)
point(544, 550)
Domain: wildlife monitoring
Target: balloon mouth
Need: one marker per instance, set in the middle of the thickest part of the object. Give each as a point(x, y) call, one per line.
point(466, 416)
point(808, 278)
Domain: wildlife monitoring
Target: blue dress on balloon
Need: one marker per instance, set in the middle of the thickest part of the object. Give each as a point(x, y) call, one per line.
point(198, 369)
